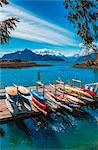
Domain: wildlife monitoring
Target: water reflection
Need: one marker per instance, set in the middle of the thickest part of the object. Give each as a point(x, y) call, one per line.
point(57, 134)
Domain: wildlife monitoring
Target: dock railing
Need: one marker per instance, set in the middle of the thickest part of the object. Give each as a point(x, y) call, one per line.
point(77, 81)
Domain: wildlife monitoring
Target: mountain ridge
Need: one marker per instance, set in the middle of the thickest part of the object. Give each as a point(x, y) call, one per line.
point(28, 55)
point(46, 55)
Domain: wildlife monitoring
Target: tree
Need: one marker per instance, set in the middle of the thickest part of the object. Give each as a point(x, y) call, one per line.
point(83, 15)
point(6, 26)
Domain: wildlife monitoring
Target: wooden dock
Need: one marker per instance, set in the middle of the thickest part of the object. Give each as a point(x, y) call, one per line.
point(6, 116)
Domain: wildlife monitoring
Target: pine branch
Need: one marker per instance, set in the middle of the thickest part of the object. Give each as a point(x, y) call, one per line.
point(6, 27)
point(3, 2)
point(83, 15)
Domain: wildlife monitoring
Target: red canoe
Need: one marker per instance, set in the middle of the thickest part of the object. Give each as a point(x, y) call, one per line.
point(42, 106)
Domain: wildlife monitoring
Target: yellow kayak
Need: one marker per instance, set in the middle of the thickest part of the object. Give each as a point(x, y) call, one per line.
point(75, 90)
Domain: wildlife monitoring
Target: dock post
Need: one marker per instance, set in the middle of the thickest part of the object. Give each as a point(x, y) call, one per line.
point(36, 87)
point(55, 87)
point(38, 79)
point(43, 89)
point(38, 75)
point(63, 90)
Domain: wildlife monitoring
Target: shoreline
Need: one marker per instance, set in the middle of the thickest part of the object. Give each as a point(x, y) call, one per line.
point(23, 65)
point(20, 64)
point(87, 64)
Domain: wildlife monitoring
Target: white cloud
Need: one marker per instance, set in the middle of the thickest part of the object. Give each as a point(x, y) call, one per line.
point(33, 28)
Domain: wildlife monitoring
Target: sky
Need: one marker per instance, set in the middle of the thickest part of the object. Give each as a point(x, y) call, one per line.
point(42, 26)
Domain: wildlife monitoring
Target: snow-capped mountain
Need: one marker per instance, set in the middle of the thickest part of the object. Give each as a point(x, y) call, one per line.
point(29, 55)
point(47, 55)
point(47, 52)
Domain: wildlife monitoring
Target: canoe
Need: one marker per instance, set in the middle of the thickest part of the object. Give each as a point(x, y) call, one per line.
point(39, 109)
point(67, 102)
point(52, 105)
point(70, 98)
point(85, 90)
point(23, 90)
point(41, 105)
point(11, 105)
point(11, 90)
point(83, 98)
point(78, 91)
point(25, 96)
point(38, 96)
point(86, 99)
point(25, 101)
point(38, 99)
point(19, 98)
point(73, 99)
point(58, 103)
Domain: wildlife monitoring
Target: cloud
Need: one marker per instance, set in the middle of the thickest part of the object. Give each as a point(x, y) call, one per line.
point(33, 28)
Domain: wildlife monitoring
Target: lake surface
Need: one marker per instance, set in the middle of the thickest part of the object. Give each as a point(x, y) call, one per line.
point(81, 135)
point(60, 70)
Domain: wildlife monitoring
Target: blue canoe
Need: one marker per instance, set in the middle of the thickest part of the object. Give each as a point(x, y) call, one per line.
point(38, 96)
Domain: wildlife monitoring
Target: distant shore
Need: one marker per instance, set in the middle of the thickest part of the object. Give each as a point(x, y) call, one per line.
point(91, 64)
point(19, 64)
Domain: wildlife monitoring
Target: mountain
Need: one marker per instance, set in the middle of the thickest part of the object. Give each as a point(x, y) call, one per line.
point(45, 51)
point(47, 55)
point(89, 63)
point(86, 57)
point(79, 59)
point(28, 55)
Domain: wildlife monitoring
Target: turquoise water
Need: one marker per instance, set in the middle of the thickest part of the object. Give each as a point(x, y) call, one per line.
point(58, 134)
point(28, 76)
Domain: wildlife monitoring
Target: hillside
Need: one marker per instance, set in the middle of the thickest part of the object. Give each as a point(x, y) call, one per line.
point(88, 63)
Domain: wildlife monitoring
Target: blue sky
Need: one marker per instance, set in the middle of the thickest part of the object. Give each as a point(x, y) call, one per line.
point(42, 25)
